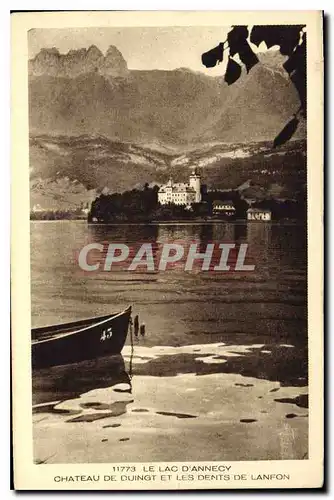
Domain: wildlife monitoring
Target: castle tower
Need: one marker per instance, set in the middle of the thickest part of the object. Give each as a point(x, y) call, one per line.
point(195, 183)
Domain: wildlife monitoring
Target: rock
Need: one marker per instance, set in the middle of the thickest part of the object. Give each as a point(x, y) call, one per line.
point(78, 62)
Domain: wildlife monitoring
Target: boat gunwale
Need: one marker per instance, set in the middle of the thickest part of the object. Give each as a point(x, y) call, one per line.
point(80, 330)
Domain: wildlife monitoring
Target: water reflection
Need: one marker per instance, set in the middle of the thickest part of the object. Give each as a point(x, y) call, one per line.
point(61, 383)
point(103, 388)
point(284, 363)
point(217, 346)
point(271, 244)
point(201, 233)
point(178, 307)
point(240, 233)
point(127, 233)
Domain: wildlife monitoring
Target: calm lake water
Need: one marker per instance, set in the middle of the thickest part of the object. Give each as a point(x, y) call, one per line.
point(178, 307)
point(236, 330)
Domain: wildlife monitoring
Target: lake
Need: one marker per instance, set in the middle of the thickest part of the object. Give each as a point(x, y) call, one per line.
point(219, 347)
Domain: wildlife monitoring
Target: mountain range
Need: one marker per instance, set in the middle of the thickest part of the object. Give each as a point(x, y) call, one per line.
point(67, 172)
point(100, 125)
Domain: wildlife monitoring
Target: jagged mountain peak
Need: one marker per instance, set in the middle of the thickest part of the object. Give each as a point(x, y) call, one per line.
point(50, 50)
point(76, 62)
point(93, 51)
point(112, 50)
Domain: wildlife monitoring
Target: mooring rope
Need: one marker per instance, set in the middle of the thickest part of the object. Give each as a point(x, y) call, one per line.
point(132, 349)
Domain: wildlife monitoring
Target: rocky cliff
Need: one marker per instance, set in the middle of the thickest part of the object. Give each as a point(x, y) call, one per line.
point(78, 62)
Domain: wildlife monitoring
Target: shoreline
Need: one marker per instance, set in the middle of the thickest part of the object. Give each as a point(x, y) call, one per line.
point(179, 222)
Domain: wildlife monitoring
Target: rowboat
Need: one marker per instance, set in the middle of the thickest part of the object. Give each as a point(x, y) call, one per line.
point(79, 340)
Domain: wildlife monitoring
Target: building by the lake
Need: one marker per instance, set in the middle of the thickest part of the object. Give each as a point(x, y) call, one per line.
point(225, 208)
point(261, 214)
point(181, 193)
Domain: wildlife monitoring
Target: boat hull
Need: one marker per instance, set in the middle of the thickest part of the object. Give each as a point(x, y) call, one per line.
point(79, 341)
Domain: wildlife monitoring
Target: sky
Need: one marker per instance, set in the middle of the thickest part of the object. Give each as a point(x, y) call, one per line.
point(142, 48)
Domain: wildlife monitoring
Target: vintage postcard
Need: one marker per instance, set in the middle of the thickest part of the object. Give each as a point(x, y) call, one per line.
point(167, 243)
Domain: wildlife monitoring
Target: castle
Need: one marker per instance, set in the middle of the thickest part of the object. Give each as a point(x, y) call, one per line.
point(181, 193)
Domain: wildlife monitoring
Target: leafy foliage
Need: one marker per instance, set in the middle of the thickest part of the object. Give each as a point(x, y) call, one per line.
point(292, 42)
point(210, 58)
point(237, 41)
point(287, 37)
point(131, 205)
point(233, 71)
point(296, 67)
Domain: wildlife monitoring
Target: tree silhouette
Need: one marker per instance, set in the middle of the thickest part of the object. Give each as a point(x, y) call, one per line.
point(292, 42)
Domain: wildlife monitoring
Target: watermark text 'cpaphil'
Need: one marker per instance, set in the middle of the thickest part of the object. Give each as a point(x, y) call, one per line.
point(155, 256)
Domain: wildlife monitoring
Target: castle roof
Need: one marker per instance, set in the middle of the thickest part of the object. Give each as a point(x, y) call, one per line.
point(177, 187)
